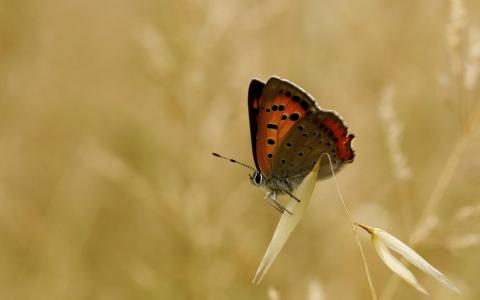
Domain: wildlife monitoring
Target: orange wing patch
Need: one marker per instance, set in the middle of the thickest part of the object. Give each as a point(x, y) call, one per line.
point(276, 117)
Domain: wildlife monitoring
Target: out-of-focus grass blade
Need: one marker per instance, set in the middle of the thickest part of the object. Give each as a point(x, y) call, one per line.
point(288, 222)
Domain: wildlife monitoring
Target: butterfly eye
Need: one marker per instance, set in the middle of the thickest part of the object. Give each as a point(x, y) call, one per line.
point(258, 178)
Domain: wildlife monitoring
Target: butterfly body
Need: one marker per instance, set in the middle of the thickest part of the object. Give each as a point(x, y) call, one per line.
point(290, 133)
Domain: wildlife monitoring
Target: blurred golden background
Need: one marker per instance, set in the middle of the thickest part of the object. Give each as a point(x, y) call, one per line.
point(109, 112)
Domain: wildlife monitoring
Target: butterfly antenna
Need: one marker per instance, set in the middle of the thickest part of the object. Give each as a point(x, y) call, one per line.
point(234, 161)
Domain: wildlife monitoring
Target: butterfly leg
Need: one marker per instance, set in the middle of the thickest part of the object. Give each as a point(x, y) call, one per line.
point(276, 206)
point(271, 197)
point(291, 195)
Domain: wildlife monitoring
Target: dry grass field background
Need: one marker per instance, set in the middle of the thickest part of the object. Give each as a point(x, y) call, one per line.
point(109, 112)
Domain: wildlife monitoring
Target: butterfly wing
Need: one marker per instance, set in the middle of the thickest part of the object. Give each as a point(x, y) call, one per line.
point(254, 94)
point(281, 105)
point(318, 133)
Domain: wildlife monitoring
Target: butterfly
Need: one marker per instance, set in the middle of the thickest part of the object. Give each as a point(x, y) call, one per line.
point(289, 134)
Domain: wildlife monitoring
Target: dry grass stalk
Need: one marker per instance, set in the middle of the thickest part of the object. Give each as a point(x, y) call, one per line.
point(394, 129)
point(354, 228)
point(464, 241)
point(467, 212)
point(423, 226)
point(455, 36)
point(472, 63)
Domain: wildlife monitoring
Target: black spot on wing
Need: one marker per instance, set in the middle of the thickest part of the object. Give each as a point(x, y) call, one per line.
point(295, 116)
point(304, 104)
